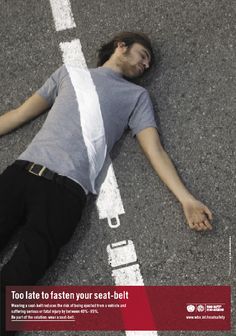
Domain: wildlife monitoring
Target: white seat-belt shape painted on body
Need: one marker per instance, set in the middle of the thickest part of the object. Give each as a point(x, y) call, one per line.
point(109, 202)
point(90, 119)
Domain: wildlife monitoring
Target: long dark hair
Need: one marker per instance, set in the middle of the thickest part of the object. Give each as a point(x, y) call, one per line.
point(129, 38)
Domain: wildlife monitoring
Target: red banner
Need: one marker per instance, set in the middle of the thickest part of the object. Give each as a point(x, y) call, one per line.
point(118, 308)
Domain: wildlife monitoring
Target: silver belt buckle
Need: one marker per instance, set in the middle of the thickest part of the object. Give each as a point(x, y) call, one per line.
point(39, 173)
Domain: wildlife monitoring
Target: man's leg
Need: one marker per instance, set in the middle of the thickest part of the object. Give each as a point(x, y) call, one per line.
point(53, 212)
point(12, 190)
point(12, 212)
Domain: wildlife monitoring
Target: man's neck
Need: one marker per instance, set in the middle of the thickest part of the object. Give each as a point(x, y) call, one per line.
point(111, 65)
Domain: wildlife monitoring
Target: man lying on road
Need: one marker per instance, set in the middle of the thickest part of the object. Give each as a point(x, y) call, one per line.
point(45, 189)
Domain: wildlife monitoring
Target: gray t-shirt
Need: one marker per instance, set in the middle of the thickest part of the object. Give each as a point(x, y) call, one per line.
point(99, 99)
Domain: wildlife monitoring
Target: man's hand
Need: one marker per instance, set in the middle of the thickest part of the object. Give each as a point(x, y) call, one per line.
point(198, 215)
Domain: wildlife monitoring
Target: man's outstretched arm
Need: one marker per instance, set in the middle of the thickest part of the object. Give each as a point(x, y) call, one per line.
point(197, 214)
point(30, 109)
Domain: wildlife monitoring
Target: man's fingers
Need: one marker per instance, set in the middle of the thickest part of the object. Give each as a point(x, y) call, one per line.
point(196, 226)
point(199, 218)
point(191, 225)
point(208, 224)
point(201, 226)
point(208, 212)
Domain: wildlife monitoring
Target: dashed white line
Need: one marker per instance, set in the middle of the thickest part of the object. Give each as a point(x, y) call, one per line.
point(122, 256)
point(62, 14)
point(72, 53)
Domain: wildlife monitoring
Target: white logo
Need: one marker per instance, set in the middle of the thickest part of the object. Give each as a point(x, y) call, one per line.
point(200, 308)
point(190, 308)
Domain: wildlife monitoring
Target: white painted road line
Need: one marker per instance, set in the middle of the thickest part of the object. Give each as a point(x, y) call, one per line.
point(72, 53)
point(62, 14)
point(122, 256)
point(128, 276)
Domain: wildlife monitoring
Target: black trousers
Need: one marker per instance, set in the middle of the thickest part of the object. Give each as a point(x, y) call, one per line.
point(48, 214)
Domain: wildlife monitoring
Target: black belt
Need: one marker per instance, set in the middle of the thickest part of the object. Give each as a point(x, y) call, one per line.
point(38, 170)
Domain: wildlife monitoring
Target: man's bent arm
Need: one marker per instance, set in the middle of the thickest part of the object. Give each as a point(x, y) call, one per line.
point(197, 214)
point(30, 109)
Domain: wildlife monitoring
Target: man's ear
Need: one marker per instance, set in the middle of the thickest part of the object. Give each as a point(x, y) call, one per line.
point(121, 46)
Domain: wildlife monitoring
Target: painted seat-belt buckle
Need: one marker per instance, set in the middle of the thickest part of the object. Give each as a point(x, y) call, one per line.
point(121, 253)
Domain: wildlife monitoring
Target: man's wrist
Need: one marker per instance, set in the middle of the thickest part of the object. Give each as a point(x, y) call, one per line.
point(186, 198)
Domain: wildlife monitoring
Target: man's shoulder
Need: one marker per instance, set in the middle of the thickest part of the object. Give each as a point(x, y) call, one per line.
point(140, 90)
point(60, 73)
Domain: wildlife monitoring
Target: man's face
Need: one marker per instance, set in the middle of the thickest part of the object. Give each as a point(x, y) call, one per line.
point(134, 61)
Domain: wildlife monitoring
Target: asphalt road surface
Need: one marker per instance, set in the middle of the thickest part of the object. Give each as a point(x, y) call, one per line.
point(193, 91)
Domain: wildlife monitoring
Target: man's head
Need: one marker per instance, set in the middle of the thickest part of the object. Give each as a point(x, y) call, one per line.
point(131, 52)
